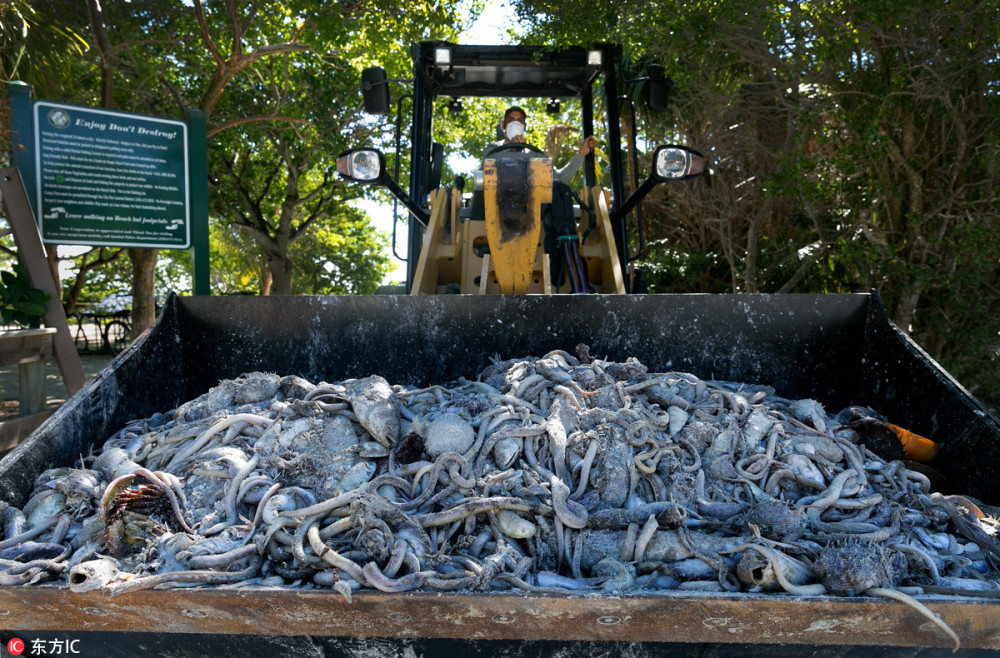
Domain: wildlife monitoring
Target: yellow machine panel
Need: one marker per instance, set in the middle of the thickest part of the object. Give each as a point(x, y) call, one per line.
point(513, 227)
point(456, 255)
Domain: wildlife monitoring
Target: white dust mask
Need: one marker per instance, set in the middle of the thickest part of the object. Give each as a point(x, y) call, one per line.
point(515, 129)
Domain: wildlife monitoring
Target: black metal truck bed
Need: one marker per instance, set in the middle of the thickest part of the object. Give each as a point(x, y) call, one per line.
point(838, 349)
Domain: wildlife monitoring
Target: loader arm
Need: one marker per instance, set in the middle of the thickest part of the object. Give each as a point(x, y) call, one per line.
point(515, 185)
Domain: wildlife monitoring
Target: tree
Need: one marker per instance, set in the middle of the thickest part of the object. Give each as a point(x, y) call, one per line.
point(241, 64)
point(274, 171)
point(246, 47)
point(341, 257)
point(38, 45)
point(276, 180)
point(853, 146)
point(917, 102)
point(237, 265)
point(45, 47)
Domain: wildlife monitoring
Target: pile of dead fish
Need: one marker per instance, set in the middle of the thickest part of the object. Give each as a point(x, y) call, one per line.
point(552, 474)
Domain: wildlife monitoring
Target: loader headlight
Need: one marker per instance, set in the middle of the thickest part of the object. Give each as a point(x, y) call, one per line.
point(442, 57)
point(362, 164)
point(674, 162)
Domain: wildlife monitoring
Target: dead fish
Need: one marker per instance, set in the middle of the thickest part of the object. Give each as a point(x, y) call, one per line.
point(755, 431)
point(775, 520)
point(114, 463)
point(850, 567)
point(612, 472)
point(620, 576)
point(678, 419)
point(767, 567)
point(376, 407)
point(448, 433)
point(506, 452)
point(356, 476)
point(663, 546)
point(93, 575)
point(668, 515)
point(809, 411)
point(246, 389)
point(515, 526)
point(32, 550)
point(13, 522)
point(42, 506)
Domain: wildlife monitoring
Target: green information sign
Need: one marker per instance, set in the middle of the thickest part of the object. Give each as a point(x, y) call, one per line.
point(111, 178)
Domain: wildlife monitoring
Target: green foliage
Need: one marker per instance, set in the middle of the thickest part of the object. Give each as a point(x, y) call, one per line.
point(237, 264)
point(342, 257)
point(19, 302)
point(853, 146)
point(276, 180)
point(280, 81)
point(111, 279)
point(673, 271)
point(109, 286)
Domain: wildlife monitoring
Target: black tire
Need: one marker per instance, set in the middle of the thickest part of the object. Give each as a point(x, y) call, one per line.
point(116, 336)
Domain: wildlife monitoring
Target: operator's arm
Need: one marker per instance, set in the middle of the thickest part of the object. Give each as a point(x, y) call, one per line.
point(566, 174)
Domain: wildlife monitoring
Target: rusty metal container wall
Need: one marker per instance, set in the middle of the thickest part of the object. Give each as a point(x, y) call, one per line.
point(839, 349)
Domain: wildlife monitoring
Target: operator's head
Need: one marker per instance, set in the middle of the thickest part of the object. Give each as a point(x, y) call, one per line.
point(514, 123)
point(514, 113)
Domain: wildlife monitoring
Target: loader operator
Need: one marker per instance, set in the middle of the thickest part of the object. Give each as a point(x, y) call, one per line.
point(514, 125)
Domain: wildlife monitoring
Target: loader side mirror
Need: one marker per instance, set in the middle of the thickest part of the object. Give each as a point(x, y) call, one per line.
point(375, 90)
point(673, 162)
point(656, 91)
point(363, 165)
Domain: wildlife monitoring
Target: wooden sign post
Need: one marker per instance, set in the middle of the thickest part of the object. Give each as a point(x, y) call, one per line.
point(32, 253)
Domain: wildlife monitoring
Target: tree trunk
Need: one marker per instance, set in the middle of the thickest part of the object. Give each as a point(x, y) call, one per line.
point(280, 267)
point(52, 258)
point(265, 283)
point(628, 132)
point(143, 296)
point(104, 50)
point(906, 309)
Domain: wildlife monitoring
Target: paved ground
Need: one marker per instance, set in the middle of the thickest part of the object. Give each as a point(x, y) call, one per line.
point(55, 390)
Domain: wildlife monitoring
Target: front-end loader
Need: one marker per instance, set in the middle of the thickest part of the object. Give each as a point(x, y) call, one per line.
point(510, 237)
